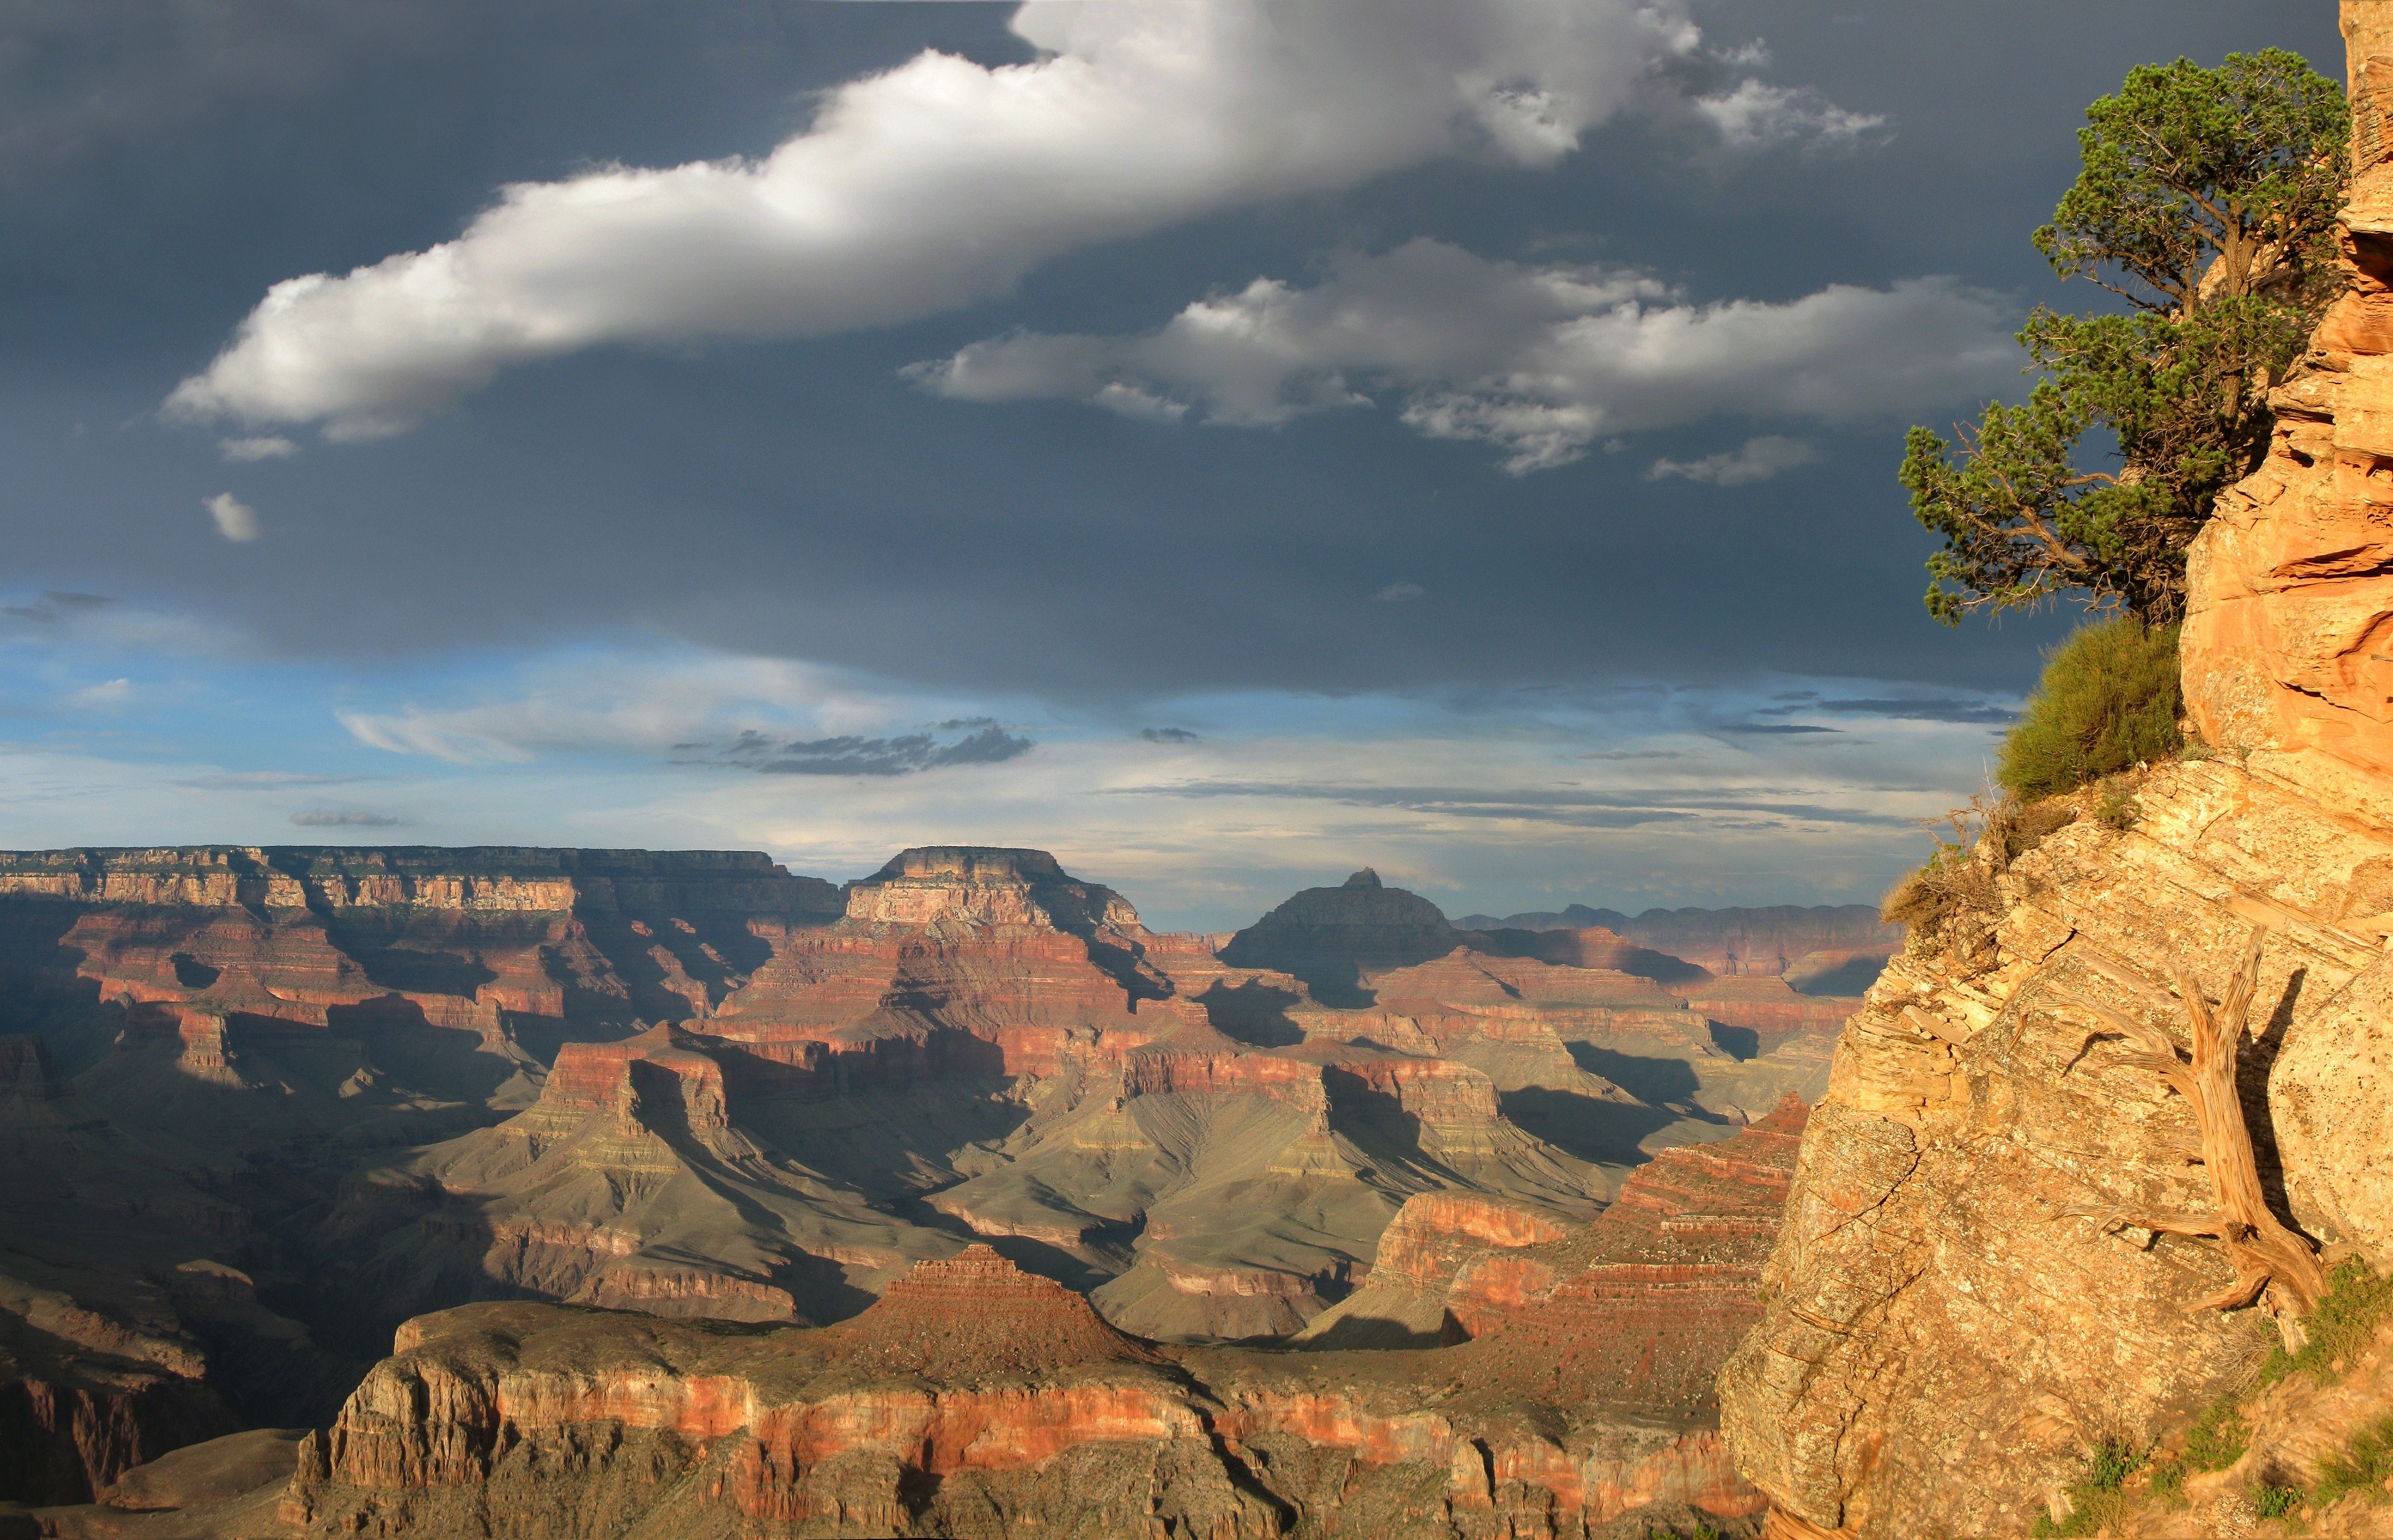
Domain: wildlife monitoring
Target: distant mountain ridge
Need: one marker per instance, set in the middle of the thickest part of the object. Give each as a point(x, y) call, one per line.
point(1825, 949)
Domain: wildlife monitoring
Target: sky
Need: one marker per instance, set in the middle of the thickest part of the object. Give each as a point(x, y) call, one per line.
point(1223, 442)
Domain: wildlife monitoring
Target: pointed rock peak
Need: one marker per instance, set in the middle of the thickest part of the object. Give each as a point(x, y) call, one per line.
point(1367, 877)
point(26, 1068)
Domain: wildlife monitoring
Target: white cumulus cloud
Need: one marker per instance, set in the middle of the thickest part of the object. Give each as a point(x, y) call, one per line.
point(1754, 114)
point(235, 520)
point(942, 181)
point(1541, 362)
point(1756, 460)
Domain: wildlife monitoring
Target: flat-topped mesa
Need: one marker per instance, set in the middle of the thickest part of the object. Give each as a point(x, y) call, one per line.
point(270, 938)
point(522, 879)
point(986, 885)
point(976, 1316)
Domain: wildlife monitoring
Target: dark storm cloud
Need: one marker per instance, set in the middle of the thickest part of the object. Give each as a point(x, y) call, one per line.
point(165, 165)
point(894, 756)
point(1168, 735)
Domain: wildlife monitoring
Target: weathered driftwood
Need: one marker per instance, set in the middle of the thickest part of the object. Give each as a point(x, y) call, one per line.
point(2265, 1255)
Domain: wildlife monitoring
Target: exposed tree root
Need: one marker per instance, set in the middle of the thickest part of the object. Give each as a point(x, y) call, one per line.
point(2267, 1256)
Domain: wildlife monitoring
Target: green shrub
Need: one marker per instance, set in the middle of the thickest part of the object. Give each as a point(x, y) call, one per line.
point(2119, 808)
point(2219, 1437)
point(2108, 700)
point(2101, 1499)
point(2275, 1502)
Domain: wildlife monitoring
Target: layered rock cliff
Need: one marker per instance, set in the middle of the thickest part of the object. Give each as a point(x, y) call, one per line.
point(972, 1399)
point(1961, 1303)
point(378, 1083)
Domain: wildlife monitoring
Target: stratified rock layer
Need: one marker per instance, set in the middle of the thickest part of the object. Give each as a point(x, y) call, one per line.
point(694, 1086)
point(971, 1399)
point(1957, 1310)
point(1947, 1331)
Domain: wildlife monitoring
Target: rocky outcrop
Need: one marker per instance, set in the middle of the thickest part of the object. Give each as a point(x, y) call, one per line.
point(2288, 636)
point(1947, 1283)
point(1641, 1306)
point(972, 1399)
point(85, 1396)
point(1962, 1299)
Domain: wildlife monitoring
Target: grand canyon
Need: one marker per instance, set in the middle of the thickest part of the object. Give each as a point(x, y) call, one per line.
point(563, 1192)
point(957, 1201)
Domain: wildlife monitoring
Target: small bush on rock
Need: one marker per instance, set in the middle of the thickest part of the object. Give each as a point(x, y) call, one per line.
point(2097, 1502)
point(2119, 809)
point(2108, 701)
point(2364, 1469)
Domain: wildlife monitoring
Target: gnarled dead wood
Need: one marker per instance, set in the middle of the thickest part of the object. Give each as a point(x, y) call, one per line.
point(2264, 1253)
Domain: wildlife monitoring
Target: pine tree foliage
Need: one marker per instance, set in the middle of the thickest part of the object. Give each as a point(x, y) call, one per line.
point(2206, 201)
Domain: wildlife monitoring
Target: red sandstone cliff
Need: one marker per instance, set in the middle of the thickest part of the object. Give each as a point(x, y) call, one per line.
point(970, 1399)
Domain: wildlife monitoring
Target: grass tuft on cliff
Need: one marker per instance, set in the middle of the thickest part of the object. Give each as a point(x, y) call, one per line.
point(2365, 1469)
point(2108, 701)
point(2102, 1498)
point(2357, 1302)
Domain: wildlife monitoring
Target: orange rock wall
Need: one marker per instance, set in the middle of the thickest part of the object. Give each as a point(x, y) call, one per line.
point(2288, 639)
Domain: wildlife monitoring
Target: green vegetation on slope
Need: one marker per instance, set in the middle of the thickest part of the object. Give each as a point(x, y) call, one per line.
point(2108, 701)
point(2121, 1478)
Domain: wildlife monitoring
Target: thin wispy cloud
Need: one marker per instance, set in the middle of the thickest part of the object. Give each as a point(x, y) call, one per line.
point(894, 756)
point(245, 451)
point(1586, 808)
point(1757, 460)
point(345, 818)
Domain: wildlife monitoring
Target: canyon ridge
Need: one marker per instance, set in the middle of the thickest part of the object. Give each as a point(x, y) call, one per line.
point(511, 1191)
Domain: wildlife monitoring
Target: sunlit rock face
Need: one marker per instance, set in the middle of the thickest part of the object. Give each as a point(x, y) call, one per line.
point(974, 1398)
point(2288, 639)
point(1946, 1330)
